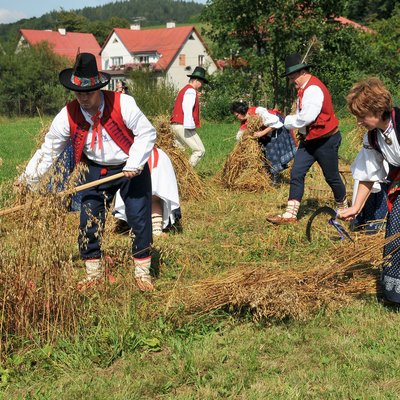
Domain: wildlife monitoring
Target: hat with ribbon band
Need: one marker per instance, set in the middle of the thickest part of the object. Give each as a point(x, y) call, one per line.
point(84, 76)
point(293, 63)
point(199, 73)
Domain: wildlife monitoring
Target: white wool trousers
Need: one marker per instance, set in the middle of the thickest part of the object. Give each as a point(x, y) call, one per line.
point(189, 138)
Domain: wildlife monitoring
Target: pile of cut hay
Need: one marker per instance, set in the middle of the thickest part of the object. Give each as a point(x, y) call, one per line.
point(268, 292)
point(190, 184)
point(245, 168)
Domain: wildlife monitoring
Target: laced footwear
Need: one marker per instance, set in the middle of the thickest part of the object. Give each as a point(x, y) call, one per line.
point(289, 216)
point(157, 221)
point(280, 220)
point(94, 274)
point(142, 274)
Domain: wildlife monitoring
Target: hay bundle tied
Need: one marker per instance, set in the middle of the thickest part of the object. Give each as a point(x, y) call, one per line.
point(245, 168)
point(190, 185)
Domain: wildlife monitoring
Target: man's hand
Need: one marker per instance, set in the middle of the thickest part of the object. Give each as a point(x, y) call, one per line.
point(133, 173)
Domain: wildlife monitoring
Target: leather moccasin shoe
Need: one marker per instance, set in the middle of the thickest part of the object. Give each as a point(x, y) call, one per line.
point(279, 220)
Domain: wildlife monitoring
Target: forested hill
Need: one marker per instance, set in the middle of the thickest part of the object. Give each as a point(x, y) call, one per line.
point(153, 12)
point(99, 20)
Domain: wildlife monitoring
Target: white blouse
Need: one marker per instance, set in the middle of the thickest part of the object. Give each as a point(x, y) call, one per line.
point(370, 165)
point(268, 119)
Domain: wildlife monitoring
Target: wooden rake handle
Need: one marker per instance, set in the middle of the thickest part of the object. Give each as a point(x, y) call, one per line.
point(71, 191)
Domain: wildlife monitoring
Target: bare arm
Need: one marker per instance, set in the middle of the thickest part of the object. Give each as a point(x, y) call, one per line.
point(264, 132)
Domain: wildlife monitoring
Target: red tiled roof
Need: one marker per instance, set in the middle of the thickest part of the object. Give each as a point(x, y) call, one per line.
point(65, 45)
point(356, 25)
point(165, 41)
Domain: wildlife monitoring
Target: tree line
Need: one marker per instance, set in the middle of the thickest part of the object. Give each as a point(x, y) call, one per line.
point(255, 36)
point(100, 20)
point(252, 37)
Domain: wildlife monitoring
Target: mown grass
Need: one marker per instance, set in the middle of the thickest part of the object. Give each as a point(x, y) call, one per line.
point(136, 346)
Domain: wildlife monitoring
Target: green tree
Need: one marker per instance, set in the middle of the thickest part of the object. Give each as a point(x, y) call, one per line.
point(72, 21)
point(153, 94)
point(365, 11)
point(101, 29)
point(263, 33)
point(29, 82)
point(255, 36)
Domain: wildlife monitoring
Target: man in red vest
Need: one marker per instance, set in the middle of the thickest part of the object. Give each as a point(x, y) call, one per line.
point(186, 115)
point(110, 134)
point(320, 138)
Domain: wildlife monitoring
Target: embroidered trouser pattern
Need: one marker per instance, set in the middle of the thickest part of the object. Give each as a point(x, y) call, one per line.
point(136, 194)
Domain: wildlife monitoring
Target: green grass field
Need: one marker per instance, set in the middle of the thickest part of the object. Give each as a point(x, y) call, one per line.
point(139, 346)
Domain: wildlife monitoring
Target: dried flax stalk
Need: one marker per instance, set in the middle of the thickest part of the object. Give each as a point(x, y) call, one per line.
point(244, 168)
point(190, 185)
point(268, 292)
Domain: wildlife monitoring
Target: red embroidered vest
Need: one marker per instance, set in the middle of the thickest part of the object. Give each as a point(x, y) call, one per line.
point(326, 121)
point(177, 113)
point(111, 121)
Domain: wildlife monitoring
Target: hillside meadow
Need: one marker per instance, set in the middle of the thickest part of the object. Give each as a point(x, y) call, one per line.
point(117, 343)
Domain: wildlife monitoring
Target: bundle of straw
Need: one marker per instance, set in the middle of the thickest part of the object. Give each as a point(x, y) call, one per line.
point(245, 167)
point(268, 292)
point(189, 183)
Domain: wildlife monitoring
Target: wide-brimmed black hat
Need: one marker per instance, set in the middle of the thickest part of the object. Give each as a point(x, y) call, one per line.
point(293, 63)
point(199, 73)
point(84, 76)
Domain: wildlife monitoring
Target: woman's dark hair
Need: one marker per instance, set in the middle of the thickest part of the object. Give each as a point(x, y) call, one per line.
point(239, 107)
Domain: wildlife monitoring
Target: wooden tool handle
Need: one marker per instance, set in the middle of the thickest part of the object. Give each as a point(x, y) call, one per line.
point(71, 191)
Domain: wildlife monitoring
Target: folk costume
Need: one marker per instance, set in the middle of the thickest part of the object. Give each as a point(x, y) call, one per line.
point(278, 146)
point(369, 166)
point(186, 118)
point(164, 186)
point(320, 139)
point(117, 138)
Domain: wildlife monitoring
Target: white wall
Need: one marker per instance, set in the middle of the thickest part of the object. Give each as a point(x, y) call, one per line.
point(114, 48)
point(191, 49)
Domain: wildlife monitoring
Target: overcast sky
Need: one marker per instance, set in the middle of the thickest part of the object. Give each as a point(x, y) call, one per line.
point(11, 11)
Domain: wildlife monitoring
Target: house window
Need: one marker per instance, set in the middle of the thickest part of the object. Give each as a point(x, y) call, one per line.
point(200, 61)
point(182, 59)
point(113, 84)
point(144, 59)
point(116, 60)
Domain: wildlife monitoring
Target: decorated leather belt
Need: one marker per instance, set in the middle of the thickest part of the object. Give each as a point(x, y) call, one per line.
point(105, 168)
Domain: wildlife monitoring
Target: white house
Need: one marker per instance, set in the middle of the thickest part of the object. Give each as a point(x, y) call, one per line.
point(173, 52)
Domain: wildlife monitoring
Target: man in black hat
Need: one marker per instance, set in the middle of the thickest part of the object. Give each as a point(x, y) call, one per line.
point(111, 134)
point(319, 134)
point(186, 115)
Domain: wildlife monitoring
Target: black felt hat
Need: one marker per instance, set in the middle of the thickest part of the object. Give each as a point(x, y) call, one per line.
point(84, 76)
point(293, 63)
